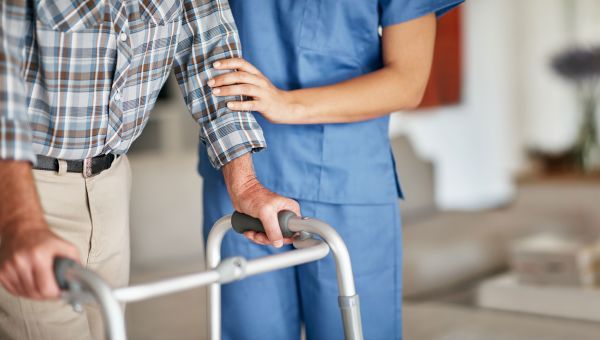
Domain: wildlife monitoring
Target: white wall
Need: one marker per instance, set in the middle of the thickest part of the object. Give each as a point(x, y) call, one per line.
point(548, 105)
point(512, 102)
point(470, 144)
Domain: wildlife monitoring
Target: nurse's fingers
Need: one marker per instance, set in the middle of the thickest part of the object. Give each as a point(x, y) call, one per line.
point(238, 90)
point(245, 106)
point(236, 64)
point(238, 78)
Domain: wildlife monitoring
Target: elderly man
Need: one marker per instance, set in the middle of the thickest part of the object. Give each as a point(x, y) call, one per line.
point(78, 79)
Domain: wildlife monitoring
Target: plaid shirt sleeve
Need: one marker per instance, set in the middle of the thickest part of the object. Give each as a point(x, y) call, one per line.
point(209, 34)
point(15, 134)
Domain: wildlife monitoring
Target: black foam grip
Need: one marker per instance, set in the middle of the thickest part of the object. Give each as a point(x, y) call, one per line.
point(61, 266)
point(242, 223)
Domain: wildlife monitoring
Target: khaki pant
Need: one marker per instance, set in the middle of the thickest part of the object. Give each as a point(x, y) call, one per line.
point(93, 214)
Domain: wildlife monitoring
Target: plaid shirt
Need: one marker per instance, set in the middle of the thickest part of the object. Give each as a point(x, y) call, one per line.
point(78, 78)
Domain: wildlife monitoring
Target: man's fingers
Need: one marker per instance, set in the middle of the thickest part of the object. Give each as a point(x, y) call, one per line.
point(46, 281)
point(27, 282)
point(8, 286)
point(45, 272)
point(27, 264)
point(12, 276)
point(64, 249)
point(268, 216)
point(250, 234)
point(295, 207)
point(7, 283)
point(236, 64)
point(254, 237)
point(262, 238)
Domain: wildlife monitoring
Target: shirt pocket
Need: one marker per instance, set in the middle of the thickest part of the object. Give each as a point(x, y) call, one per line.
point(160, 12)
point(337, 26)
point(70, 15)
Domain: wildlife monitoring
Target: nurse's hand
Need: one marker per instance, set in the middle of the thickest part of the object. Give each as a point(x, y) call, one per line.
point(274, 104)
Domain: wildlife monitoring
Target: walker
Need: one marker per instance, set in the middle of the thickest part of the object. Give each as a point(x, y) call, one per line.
point(80, 286)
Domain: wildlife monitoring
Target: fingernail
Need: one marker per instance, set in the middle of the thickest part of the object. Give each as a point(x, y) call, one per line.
point(230, 105)
point(217, 64)
point(216, 91)
point(278, 244)
point(211, 82)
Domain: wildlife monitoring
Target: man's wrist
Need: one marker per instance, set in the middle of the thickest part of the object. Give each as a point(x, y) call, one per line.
point(20, 227)
point(238, 188)
point(239, 176)
point(20, 208)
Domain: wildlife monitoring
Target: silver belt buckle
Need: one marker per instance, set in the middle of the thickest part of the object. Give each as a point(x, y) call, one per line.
point(87, 167)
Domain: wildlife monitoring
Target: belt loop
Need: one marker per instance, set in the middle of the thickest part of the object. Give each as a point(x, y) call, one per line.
point(62, 167)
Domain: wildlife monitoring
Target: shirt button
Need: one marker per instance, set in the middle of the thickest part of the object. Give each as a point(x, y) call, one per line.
point(117, 96)
point(123, 36)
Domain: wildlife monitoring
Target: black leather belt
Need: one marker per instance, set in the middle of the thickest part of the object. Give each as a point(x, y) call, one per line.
point(88, 167)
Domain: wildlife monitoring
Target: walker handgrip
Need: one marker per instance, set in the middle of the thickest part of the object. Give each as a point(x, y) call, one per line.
point(61, 266)
point(242, 223)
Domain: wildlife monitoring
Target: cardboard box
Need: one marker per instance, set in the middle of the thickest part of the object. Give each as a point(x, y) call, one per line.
point(552, 259)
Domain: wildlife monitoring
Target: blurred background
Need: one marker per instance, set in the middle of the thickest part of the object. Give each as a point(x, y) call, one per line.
point(499, 168)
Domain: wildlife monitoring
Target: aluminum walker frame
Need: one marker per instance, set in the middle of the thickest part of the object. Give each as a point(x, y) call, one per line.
point(81, 286)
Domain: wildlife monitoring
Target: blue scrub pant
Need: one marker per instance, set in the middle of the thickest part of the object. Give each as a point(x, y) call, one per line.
point(272, 306)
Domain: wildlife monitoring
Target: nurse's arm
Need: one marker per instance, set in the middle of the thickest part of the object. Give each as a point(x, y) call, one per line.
point(398, 85)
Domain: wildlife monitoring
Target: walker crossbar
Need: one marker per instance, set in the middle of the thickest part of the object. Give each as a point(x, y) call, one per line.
point(81, 286)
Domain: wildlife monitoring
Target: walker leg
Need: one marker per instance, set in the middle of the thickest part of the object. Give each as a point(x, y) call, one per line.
point(214, 311)
point(350, 308)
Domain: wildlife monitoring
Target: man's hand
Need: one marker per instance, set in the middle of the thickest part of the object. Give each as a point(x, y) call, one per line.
point(26, 262)
point(27, 246)
point(250, 197)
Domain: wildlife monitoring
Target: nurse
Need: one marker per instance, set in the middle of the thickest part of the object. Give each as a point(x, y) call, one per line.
point(324, 78)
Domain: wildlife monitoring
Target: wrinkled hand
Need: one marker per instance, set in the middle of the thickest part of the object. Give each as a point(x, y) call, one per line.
point(274, 104)
point(257, 201)
point(26, 261)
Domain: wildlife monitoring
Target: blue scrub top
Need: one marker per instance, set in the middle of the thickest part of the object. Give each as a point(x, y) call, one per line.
point(310, 43)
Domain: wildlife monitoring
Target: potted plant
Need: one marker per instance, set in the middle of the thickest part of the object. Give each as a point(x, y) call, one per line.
point(581, 66)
